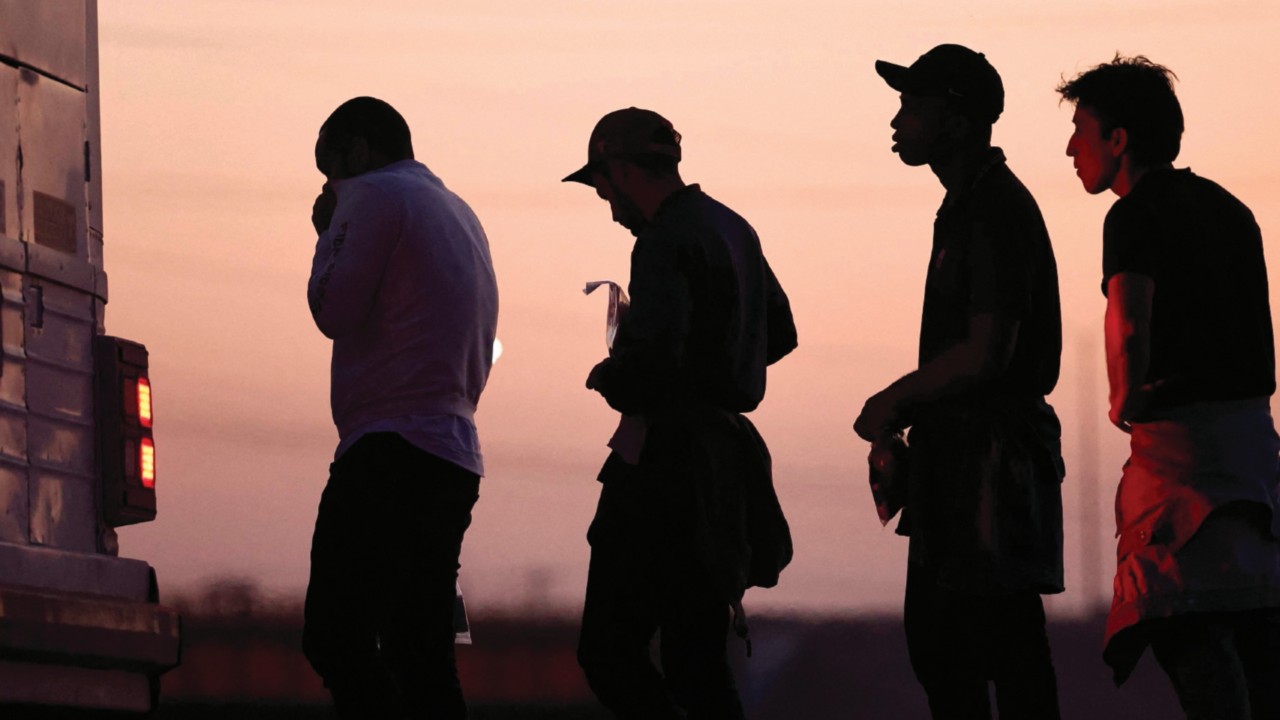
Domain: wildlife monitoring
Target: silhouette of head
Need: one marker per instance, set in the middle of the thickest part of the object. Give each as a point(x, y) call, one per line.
point(363, 134)
point(1137, 95)
point(630, 152)
point(950, 98)
point(1126, 107)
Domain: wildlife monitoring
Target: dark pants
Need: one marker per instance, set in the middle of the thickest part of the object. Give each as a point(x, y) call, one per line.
point(644, 580)
point(958, 642)
point(384, 562)
point(1224, 666)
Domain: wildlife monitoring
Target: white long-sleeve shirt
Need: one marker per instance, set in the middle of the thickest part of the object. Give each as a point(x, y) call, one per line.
point(403, 283)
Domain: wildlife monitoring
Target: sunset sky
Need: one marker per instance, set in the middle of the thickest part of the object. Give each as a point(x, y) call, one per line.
point(210, 111)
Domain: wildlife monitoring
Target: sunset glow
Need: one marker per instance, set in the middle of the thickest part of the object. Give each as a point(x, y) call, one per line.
point(210, 112)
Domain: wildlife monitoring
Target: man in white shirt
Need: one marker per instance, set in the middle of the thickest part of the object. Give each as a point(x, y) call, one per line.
point(403, 283)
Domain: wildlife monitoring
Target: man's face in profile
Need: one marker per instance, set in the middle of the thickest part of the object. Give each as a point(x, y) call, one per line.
point(1095, 156)
point(917, 128)
point(610, 178)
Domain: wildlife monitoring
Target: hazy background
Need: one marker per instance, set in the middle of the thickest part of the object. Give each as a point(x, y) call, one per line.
point(210, 111)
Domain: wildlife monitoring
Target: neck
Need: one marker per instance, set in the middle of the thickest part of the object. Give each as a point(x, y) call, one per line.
point(651, 196)
point(960, 165)
point(1130, 173)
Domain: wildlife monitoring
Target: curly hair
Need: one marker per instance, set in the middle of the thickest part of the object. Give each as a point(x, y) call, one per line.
point(1135, 94)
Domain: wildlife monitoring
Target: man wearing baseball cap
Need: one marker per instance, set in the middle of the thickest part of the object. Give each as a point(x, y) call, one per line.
point(984, 468)
point(687, 518)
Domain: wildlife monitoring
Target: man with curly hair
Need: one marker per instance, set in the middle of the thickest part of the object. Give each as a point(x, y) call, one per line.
point(1191, 364)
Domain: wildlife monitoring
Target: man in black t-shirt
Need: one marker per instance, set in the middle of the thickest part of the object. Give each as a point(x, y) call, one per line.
point(1191, 363)
point(984, 506)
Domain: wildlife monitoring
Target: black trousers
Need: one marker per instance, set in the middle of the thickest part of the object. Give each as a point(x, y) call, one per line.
point(644, 580)
point(384, 563)
point(958, 643)
point(1223, 666)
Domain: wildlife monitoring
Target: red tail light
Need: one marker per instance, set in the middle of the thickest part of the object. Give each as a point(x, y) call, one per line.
point(144, 402)
point(126, 452)
point(147, 462)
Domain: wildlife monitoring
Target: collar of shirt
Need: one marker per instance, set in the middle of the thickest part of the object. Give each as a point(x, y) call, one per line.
point(674, 199)
point(995, 156)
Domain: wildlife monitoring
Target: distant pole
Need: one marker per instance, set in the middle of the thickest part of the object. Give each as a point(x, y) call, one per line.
point(1091, 553)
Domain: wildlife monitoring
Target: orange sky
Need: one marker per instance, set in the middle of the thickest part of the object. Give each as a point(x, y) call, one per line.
point(210, 111)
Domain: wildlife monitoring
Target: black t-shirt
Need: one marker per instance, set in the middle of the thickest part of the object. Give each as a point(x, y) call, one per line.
point(991, 254)
point(1211, 336)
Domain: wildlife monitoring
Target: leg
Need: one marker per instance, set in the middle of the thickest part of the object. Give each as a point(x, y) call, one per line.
point(427, 510)
point(1198, 654)
point(694, 628)
point(340, 631)
point(1258, 642)
point(941, 651)
point(618, 616)
point(1026, 685)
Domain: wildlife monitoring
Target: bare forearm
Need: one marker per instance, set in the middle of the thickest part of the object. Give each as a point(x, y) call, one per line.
point(984, 355)
point(1128, 336)
point(951, 373)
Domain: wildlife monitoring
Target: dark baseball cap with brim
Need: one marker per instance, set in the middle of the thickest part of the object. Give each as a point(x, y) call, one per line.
point(628, 133)
point(962, 76)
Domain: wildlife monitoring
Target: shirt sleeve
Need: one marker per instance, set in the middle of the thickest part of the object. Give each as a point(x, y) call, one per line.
point(1127, 243)
point(351, 257)
point(649, 347)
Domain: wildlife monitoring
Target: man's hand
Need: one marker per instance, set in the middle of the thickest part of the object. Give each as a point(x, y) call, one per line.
point(880, 414)
point(322, 209)
point(1124, 410)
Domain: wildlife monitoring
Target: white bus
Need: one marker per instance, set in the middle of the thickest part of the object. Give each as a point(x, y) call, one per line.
point(80, 626)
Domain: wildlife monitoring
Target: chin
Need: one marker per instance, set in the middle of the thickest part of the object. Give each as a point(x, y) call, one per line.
point(1093, 188)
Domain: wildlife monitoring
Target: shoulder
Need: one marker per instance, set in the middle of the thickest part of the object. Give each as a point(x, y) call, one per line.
point(1000, 191)
point(697, 217)
point(380, 187)
point(1004, 210)
point(1207, 188)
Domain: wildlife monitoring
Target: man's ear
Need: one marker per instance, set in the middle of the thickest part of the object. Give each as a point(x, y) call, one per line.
point(1118, 141)
point(956, 126)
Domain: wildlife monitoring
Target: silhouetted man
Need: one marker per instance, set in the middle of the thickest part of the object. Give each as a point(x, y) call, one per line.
point(687, 518)
point(1191, 363)
point(984, 505)
point(403, 284)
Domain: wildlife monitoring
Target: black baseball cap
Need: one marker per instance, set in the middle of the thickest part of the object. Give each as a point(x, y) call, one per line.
point(628, 133)
point(954, 72)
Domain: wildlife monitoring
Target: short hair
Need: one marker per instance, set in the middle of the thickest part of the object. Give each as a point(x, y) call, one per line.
point(1137, 95)
point(376, 121)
